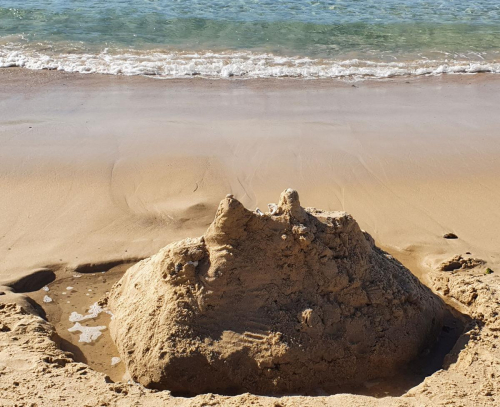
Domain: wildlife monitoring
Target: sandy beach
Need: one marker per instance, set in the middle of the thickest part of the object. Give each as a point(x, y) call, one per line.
point(97, 168)
point(100, 170)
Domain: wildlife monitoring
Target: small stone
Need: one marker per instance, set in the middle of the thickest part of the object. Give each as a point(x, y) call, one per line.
point(450, 236)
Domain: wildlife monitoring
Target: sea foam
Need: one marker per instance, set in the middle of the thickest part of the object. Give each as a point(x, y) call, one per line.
point(234, 64)
point(88, 334)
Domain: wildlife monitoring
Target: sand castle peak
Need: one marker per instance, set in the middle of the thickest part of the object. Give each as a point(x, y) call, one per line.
point(289, 202)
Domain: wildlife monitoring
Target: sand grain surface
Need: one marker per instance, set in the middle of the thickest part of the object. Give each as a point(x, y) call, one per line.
point(97, 171)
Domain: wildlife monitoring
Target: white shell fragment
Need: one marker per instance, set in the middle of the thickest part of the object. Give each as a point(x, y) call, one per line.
point(45, 288)
point(259, 212)
point(273, 208)
point(115, 360)
point(47, 299)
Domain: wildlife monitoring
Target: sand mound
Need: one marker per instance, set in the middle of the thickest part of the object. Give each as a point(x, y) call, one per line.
point(459, 262)
point(293, 301)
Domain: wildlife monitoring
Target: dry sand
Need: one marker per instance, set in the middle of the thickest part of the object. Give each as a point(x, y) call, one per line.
point(99, 169)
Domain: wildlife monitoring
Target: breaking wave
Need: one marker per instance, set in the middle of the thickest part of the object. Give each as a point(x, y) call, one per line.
point(231, 64)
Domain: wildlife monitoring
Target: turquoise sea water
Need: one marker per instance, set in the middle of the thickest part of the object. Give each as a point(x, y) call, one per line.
point(221, 38)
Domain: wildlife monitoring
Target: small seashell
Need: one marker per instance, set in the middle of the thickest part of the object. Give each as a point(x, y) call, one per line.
point(115, 360)
point(47, 299)
point(273, 208)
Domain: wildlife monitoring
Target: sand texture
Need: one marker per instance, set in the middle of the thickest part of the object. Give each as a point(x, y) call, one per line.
point(33, 371)
point(99, 171)
point(99, 168)
point(297, 301)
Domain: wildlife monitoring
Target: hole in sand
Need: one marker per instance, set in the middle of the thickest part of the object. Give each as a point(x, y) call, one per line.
point(74, 301)
point(81, 324)
point(34, 281)
point(104, 266)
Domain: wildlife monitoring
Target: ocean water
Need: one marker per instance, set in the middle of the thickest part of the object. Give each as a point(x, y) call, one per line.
point(355, 39)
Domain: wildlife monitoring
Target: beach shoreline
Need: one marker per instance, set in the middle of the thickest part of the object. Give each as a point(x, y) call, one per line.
point(276, 204)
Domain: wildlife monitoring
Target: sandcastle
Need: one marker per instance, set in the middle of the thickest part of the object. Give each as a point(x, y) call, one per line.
point(293, 301)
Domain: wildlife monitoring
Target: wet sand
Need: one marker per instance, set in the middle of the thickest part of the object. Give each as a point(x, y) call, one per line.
point(76, 292)
point(98, 168)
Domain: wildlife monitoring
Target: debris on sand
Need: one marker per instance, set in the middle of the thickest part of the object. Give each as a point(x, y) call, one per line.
point(115, 360)
point(459, 262)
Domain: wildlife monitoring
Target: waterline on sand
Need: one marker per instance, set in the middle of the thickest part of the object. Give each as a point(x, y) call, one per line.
point(240, 64)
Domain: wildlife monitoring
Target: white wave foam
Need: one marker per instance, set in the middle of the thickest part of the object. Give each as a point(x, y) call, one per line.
point(94, 310)
point(88, 334)
point(229, 64)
